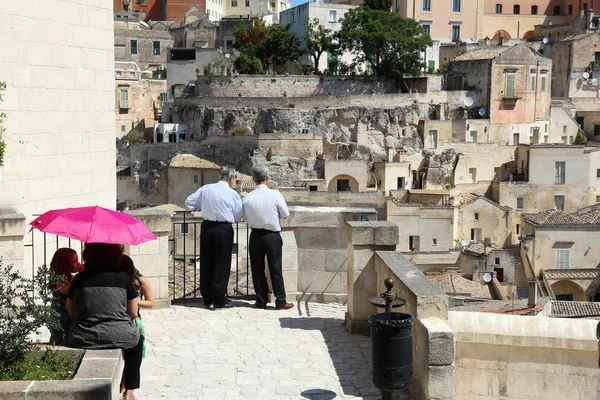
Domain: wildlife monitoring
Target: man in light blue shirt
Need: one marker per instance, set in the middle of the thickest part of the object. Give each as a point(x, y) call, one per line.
point(263, 207)
point(220, 206)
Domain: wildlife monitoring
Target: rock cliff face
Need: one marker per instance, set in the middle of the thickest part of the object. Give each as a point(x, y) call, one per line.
point(354, 132)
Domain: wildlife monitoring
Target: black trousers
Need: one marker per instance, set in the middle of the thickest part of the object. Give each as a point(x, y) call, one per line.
point(267, 243)
point(216, 243)
point(133, 362)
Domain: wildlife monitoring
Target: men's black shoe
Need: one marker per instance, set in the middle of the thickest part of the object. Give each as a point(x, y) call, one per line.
point(259, 304)
point(228, 304)
point(207, 305)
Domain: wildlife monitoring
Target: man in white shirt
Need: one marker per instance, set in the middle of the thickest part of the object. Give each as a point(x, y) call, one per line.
point(221, 206)
point(263, 207)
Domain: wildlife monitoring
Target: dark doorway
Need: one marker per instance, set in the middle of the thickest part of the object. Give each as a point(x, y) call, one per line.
point(400, 184)
point(343, 185)
point(580, 121)
point(499, 274)
point(564, 297)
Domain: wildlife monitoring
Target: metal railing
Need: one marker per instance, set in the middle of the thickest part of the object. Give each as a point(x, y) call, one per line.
point(184, 274)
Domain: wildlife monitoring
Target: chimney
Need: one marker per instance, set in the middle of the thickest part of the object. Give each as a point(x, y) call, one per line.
point(532, 295)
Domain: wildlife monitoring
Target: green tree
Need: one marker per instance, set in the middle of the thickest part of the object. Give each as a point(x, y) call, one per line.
point(390, 43)
point(248, 65)
point(280, 46)
point(318, 41)
point(383, 5)
point(580, 138)
point(2, 128)
point(275, 45)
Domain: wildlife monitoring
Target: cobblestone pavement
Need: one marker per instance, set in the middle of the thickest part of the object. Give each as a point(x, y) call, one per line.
point(247, 353)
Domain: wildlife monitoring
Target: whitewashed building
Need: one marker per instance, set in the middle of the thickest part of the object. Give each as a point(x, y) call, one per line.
point(328, 14)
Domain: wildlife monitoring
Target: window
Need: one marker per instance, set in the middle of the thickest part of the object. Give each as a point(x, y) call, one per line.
point(247, 3)
point(332, 16)
point(123, 127)
point(517, 9)
point(598, 173)
point(434, 242)
point(570, 9)
point(185, 228)
point(426, 5)
point(426, 29)
point(571, 139)
point(560, 169)
point(596, 130)
point(556, 10)
point(156, 48)
point(473, 136)
point(497, 173)
point(233, 3)
point(456, 6)
point(413, 243)
point(432, 139)
point(123, 98)
point(476, 235)
point(163, 96)
point(546, 138)
point(519, 203)
point(312, 188)
point(563, 139)
point(597, 199)
point(498, 8)
point(497, 261)
point(516, 139)
point(534, 10)
point(559, 202)
point(509, 89)
point(134, 47)
point(196, 179)
point(518, 229)
point(431, 66)
point(476, 216)
point(473, 175)
point(563, 258)
point(533, 83)
point(543, 88)
point(455, 33)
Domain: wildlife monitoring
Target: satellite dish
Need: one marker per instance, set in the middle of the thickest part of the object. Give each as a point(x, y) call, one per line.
point(586, 75)
point(468, 101)
point(227, 55)
point(487, 277)
point(481, 111)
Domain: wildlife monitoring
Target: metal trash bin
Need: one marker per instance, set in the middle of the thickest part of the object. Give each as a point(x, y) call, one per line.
point(392, 350)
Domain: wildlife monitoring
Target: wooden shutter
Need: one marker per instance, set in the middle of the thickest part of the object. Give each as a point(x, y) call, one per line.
point(510, 86)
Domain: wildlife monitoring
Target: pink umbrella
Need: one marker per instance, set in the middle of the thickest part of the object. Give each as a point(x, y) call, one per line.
point(94, 225)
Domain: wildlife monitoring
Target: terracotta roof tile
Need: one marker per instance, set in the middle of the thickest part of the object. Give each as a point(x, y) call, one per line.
point(453, 283)
point(575, 309)
point(191, 161)
point(558, 217)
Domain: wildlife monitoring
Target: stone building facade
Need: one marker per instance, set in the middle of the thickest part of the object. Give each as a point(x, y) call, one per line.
point(481, 218)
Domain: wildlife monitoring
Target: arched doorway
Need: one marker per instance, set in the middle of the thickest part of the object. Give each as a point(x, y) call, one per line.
point(568, 290)
point(343, 183)
point(529, 35)
point(505, 35)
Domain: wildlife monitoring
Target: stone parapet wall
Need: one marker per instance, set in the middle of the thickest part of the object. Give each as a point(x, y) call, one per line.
point(152, 258)
point(521, 357)
point(12, 231)
point(453, 98)
point(291, 86)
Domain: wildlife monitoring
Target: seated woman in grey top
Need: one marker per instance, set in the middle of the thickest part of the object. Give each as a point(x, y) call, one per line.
point(102, 301)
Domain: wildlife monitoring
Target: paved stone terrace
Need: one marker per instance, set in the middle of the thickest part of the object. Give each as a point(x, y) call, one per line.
point(246, 353)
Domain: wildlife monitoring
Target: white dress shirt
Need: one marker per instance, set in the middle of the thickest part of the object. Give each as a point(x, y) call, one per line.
point(217, 202)
point(263, 207)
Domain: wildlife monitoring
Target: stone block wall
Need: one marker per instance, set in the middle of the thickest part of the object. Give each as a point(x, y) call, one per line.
point(291, 86)
point(152, 258)
point(521, 357)
point(12, 228)
point(315, 251)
